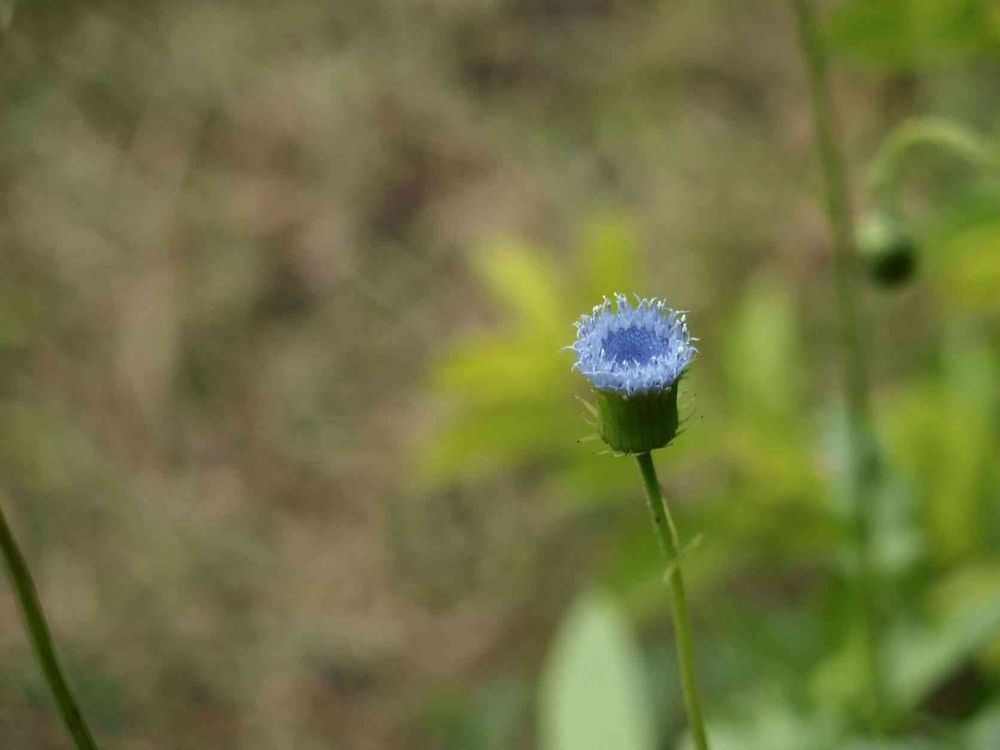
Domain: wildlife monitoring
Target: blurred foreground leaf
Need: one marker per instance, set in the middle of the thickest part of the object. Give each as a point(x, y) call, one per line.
point(507, 391)
point(769, 723)
point(983, 732)
point(962, 620)
point(943, 436)
point(914, 33)
point(968, 264)
point(592, 692)
point(965, 618)
point(522, 282)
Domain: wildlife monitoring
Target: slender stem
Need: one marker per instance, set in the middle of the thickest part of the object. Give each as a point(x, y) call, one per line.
point(667, 534)
point(863, 460)
point(41, 638)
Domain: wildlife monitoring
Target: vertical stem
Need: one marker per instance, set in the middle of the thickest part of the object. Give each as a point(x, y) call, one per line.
point(863, 461)
point(667, 534)
point(41, 638)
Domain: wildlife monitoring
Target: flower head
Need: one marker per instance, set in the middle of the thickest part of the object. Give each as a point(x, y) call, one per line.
point(887, 249)
point(634, 357)
point(630, 350)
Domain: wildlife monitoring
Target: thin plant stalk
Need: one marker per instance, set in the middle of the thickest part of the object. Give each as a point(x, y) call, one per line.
point(669, 543)
point(41, 638)
point(863, 460)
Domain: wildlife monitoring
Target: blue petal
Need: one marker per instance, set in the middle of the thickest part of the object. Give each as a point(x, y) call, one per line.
point(630, 349)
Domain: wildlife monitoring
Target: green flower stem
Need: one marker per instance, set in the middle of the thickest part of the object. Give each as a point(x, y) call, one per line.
point(41, 638)
point(863, 460)
point(667, 533)
point(949, 136)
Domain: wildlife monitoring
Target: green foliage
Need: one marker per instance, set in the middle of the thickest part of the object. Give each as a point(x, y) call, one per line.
point(984, 729)
point(915, 33)
point(966, 256)
point(489, 718)
point(509, 388)
point(942, 434)
point(939, 434)
point(769, 724)
point(504, 387)
point(766, 387)
point(592, 692)
point(962, 618)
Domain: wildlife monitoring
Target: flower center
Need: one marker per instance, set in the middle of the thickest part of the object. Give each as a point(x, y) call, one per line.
point(632, 345)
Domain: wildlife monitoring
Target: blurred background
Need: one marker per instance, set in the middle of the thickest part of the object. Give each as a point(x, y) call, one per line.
point(285, 428)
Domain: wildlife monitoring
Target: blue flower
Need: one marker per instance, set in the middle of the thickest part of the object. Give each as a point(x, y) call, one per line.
point(632, 350)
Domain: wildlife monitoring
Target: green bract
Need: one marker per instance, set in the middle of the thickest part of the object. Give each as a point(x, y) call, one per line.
point(638, 423)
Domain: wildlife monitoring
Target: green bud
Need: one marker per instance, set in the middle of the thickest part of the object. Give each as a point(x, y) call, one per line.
point(638, 423)
point(887, 250)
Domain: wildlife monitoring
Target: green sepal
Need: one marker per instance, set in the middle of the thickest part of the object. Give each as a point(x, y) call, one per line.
point(638, 423)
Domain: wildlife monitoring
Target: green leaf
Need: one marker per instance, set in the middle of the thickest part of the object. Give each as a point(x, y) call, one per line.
point(965, 618)
point(522, 281)
point(592, 693)
point(911, 743)
point(913, 33)
point(768, 723)
point(609, 257)
point(943, 436)
point(763, 358)
point(983, 730)
point(967, 264)
point(490, 370)
point(764, 365)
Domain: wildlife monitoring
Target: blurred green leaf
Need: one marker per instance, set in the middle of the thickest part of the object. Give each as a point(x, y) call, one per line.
point(448, 720)
point(764, 365)
point(592, 693)
point(968, 265)
point(503, 703)
point(526, 286)
point(914, 33)
point(896, 744)
point(837, 683)
point(507, 393)
point(764, 362)
point(943, 435)
point(983, 730)
point(480, 440)
point(768, 723)
point(964, 619)
point(610, 250)
point(492, 370)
